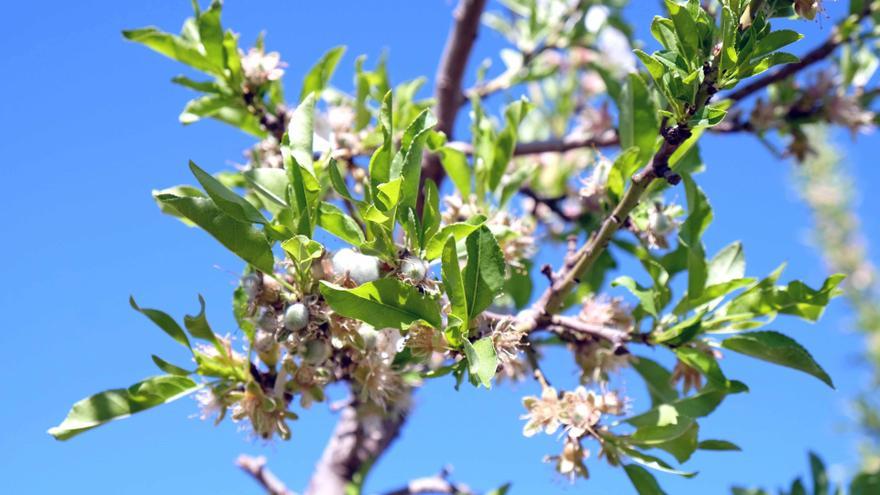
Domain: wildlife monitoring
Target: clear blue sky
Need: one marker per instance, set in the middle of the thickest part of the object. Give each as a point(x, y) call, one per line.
point(89, 126)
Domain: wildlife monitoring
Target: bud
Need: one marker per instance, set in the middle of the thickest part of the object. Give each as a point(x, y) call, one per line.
point(807, 8)
point(414, 268)
point(317, 351)
point(359, 267)
point(270, 290)
point(296, 317)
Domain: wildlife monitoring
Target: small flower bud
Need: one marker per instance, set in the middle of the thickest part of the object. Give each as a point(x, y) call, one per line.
point(270, 290)
point(414, 268)
point(317, 351)
point(359, 267)
point(296, 317)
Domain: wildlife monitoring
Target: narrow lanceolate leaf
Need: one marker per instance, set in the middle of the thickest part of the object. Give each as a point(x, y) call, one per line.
point(638, 118)
point(120, 403)
point(198, 325)
point(691, 233)
point(334, 220)
point(232, 204)
point(718, 445)
point(482, 360)
point(242, 239)
point(411, 163)
point(452, 280)
point(506, 142)
point(173, 47)
point(484, 273)
point(319, 75)
point(643, 480)
point(300, 132)
point(164, 321)
point(385, 303)
point(169, 368)
point(777, 348)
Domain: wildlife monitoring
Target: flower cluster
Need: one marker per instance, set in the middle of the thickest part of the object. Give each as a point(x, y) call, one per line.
point(578, 413)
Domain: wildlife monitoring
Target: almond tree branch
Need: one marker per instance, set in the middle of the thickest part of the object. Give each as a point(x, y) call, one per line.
point(569, 326)
point(432, 484)
point(449, 77)
point(356, 444)
point(256, 468)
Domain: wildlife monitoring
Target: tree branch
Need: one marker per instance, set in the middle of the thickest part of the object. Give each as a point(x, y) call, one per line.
point(256, 468)
point(357, 442)
point(432, 484)
point(606, 139)
point(448, 91)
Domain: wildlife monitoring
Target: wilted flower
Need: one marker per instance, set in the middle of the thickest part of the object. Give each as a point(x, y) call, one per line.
point(592, 192)
point(661, 223)
point(570, 463)
point(266, 154)
point(598, 360)
point(543, 412)
point(424, 341)
point(606, 311)
point(846, 110)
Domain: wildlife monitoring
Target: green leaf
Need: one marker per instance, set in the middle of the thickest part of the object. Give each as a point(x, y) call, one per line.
point(484, 273)
point(302, 249)
point(456, 165)
point(703, 362)
point(334, 220)
point(242, 239)
point(169, 368)
point(777, 348)
point(639, 126)
point(683, 446)
point(654, 435)
point(452, 280)
point(774, 41)
point(271, 183)
point(691, 233)
point(643, 480)
point(657, 379)
point(163, 321)
point(198, 325)
point(694, 406)
point(384, 303)
point(232, 204)
point(458, 231)
point(173, 47)
point(211, 34)
point(300, 132)
point(120, 403)
point(411, 162)
point(718, 445)
point(319, 75)
point(225, 108)
point(506, 141)
point(430, 211)
point(820, 475)
point(646, 295)
point(482, 360)
point(654, 463)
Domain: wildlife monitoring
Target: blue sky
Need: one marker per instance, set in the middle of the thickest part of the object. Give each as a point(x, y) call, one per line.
point(90, 127)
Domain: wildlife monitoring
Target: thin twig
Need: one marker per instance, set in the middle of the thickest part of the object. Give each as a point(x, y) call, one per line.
point(256, 468)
